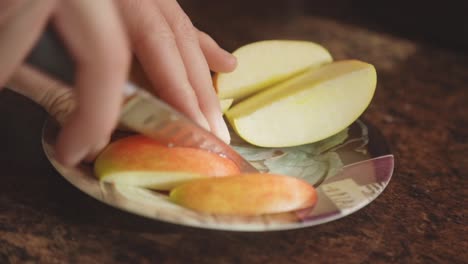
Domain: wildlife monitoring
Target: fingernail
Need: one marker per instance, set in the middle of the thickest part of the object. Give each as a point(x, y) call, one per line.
point(201, 120)
point(219, 128)
point(232, 59)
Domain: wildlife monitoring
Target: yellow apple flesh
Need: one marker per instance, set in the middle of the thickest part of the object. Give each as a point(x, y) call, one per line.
point(225, 104)
point(307, 108)
point(245, 194)
point(264, 63)
point(143, 162)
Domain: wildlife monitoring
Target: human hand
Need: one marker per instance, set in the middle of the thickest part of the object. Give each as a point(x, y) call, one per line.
point(87, 27)
point(88, 127)
point(177, 59)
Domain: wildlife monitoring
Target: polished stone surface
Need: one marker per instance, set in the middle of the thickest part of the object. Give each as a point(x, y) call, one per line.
point(421, 106)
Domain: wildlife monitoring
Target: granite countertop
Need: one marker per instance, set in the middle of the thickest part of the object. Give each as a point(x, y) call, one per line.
point(421, 106)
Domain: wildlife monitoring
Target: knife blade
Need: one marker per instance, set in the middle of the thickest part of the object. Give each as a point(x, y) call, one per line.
point(142, 112)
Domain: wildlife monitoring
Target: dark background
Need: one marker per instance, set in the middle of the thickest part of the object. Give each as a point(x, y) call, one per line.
point(438, 23)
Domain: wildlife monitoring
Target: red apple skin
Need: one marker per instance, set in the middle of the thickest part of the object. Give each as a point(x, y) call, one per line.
point(245, 194)
point(139, 153)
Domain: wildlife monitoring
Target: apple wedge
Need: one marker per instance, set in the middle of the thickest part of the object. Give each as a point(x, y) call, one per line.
point(261, 64)
point(310, 107)
point(140, 161)
point(225, 104)
point(245, 194)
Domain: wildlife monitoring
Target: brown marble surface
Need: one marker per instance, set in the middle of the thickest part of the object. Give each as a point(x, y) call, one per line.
point(421, 106)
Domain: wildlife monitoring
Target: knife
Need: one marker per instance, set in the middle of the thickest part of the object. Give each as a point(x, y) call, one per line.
point(141, 112)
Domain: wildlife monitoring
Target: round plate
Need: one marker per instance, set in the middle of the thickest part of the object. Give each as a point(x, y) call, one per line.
point(349, 170)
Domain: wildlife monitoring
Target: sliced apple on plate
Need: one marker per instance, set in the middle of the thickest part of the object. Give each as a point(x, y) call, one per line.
point(307, 108)
point(143, 162)
point(245, 194)
point(261, 64)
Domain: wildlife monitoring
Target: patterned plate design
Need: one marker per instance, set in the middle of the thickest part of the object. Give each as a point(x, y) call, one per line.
point(349, 170)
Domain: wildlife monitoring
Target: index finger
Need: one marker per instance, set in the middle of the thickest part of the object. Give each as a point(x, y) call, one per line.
point(21, 23)
point(156, 48)
point(94, 34)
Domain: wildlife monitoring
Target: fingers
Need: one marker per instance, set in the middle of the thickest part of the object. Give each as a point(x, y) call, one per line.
point(95, 36)
point(218, 59)
point(21, 25)
point(56, 98)
point(196, 66)
point(156, 48)
point(9, 8)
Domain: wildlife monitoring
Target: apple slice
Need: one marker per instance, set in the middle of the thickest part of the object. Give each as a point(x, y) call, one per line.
point(245, 194)
point(140, 161)
point(261, 64)
point(225, 104)
point(310, 107)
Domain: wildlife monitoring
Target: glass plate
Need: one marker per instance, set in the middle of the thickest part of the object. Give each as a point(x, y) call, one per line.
point(349, 170)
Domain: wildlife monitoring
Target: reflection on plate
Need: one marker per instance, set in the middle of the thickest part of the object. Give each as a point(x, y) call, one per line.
point(349, 170)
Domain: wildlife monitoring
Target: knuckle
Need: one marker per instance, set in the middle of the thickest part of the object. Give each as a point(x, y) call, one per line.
point(145, 27)
point(146, 39)
point(163, 34)
point(184, 27)
point(58, 102)
point(129, 7)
